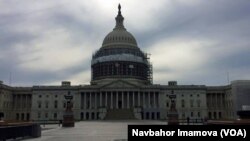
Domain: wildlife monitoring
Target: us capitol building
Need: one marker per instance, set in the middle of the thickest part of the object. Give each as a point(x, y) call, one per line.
point(121, 88)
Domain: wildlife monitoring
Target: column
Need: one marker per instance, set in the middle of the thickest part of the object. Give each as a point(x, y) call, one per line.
point(24, 104)
point(106, 99)
point(218, 102)
point(117, 99)
point(21, 105)
point(154, 100)
point(157, 99)
point(217, 106)
point(149, 104)
point(95, 94)
point(81, 101)
point(221, 101)
point(123, 100)
point(111, 107)
point(22, 97)
point(84, 98)
point(143, 98)
point(128, 100)
point(100, 99)
point(90, 100)
point(26, 101)
point(209, 101)
point(21, 102)
point(29, 100)
point(13, 103)
point(225, 101)
point(16, 102)
point(133, 99)
point(139, 97)
point(215, 98)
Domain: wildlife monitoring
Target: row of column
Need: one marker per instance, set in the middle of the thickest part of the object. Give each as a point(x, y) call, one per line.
point(21, 101)
point(119, 99)
point(216, 100)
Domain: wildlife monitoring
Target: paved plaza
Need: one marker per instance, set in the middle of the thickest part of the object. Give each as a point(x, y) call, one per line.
point(90, 131)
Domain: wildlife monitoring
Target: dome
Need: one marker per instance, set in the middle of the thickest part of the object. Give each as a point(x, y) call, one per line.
point(119, 37)
point(120, 58)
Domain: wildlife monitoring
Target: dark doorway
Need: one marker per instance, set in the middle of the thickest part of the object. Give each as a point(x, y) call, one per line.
point(220, 115)
point(27, 116)
point(158, 115)
point(97, 115)
point(210, 115)
point(119, 104)
point(93, 115)
point(1, 115)
point(152, 115)
point(82, 115)
point(17, 116)
point(22, 116)
point(215, 115)
point(147, 115)
point(87, 115)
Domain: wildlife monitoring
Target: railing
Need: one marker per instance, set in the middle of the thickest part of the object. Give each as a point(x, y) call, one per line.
point(47, 121)
point(15, 131)
point(192, 121)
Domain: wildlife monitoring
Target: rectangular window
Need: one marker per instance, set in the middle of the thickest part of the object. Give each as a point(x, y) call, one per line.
point(39, 115)
point(220, 115)
point(198, 103)
point(182, 103)
point(17, 116)
point(64, 104)
point(55, 115)
point(191, 103)
point(46, 115)
point(192, 114)
point(199, 114)
point(183, 115)
point(55, 104)
point(39, 104)
point(47, 104)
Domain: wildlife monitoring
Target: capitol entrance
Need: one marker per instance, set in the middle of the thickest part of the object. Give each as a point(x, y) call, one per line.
point(119, 104)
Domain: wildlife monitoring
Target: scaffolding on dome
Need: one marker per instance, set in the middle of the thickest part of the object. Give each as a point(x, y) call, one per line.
point(121, 63)
point(150, 69)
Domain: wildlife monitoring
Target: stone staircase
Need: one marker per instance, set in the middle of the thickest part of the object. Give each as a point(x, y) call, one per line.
point(120, 114)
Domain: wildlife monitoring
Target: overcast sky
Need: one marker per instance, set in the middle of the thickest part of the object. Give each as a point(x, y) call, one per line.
point(201, 42)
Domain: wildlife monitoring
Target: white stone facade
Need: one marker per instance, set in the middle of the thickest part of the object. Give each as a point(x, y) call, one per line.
point(91, 102)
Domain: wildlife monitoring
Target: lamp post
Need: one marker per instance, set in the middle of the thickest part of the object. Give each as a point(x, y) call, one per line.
point(173, 114)
point(68, 116)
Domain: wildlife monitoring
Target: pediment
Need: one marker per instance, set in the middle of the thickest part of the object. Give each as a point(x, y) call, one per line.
point(120, 84)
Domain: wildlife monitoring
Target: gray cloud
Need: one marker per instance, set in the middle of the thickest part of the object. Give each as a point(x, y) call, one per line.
point(199, 41)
